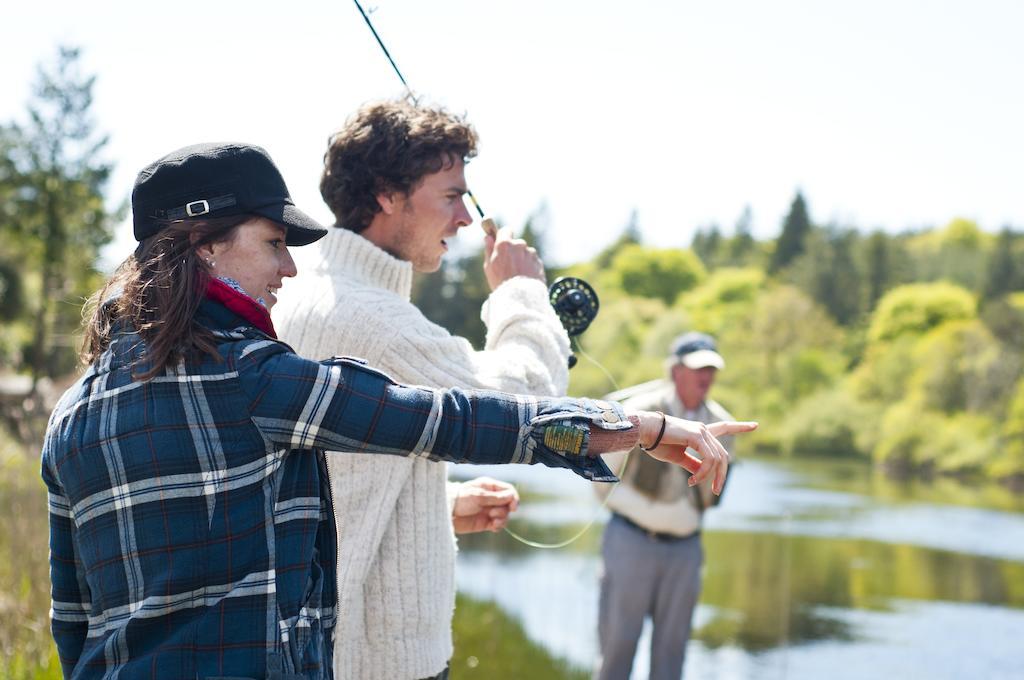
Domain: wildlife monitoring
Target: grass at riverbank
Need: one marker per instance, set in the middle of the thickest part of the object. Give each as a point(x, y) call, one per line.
point(490, 644)
point(26, 648)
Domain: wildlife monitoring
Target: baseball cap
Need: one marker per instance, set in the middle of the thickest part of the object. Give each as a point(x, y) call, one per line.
point(697, 350)
point(217, 180)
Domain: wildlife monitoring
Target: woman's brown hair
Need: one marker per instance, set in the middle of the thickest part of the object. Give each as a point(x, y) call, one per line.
point(157, 291)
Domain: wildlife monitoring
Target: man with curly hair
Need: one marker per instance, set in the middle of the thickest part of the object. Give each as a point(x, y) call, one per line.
point(394, 177)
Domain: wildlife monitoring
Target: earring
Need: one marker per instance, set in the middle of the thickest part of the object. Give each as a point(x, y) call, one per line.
point(210, 263)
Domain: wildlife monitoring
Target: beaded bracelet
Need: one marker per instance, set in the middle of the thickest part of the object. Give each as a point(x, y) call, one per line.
point(661, 433)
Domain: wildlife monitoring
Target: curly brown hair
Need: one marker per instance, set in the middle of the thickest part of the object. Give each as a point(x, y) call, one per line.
point(389, 146)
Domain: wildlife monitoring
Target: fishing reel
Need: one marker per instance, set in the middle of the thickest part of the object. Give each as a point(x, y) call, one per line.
point(576, 305)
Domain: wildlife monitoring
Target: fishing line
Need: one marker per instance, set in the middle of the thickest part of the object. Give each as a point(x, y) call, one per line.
point(604, 504)
point(579, 348)
point(387, 54)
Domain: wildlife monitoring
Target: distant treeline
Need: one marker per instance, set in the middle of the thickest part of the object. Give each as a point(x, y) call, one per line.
point(906, 348)
point(902, 348)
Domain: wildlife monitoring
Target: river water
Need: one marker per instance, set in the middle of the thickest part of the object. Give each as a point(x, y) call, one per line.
point(812, 570)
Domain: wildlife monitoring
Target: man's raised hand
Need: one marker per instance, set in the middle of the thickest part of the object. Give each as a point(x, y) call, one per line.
point(506, 257)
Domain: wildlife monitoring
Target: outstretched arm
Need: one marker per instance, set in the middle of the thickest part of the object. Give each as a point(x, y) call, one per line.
point(344, 406)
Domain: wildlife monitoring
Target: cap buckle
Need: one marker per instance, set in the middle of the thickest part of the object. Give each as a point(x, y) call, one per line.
point(196, 208)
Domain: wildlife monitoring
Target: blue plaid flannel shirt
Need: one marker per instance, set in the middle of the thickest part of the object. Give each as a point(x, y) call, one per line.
point(191, 528)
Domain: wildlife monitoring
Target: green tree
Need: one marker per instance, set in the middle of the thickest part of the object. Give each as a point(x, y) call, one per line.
point(917, 308)
point(961, 366)
point(1001, 273)
point(827, 272)
point(724, 301)
point(742, 245)
point(656, 273)
point(56, 220)
point(1009, 462)
point(958, 252)
point(828, 423)
point(707, 243)
point(878, 272)
point(11, 297)
point(786, 321)
point(1005, 318)
point(795, 229)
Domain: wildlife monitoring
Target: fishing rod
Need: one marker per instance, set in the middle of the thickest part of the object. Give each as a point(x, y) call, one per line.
point(574, 300)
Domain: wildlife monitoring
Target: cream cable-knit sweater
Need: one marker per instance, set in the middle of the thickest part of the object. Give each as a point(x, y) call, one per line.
point(396, 549)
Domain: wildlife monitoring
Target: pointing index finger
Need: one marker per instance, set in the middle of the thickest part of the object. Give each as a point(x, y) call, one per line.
point(726, 427)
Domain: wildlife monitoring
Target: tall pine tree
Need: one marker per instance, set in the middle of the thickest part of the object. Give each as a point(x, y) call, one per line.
point(1002, 275)
point(791, 242)
point(56, 220)
point(706, 243)
point(827, 272)
point(742, 244)
point(877, 268)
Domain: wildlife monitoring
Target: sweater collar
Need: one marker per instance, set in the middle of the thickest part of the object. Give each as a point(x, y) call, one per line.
point(345, 252)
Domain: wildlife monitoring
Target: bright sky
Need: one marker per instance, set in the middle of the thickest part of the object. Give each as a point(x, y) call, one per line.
point(887, 113)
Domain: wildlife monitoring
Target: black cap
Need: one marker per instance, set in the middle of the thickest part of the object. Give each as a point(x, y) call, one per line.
point(218, 180)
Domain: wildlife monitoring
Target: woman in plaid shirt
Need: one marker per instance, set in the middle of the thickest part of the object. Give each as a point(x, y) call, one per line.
point(191, 531)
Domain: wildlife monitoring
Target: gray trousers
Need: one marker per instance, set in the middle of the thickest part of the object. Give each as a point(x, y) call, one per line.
point(643, 577)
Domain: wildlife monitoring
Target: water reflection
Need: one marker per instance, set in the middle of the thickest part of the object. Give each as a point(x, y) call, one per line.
point(807, 574)
point(826, 499)
point(778, 499)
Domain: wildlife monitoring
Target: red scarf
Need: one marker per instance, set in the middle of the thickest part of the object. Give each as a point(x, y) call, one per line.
point(242, 305)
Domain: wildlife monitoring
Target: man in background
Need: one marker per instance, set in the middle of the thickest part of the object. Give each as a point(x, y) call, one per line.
point(651, 548)
point(394, 179)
